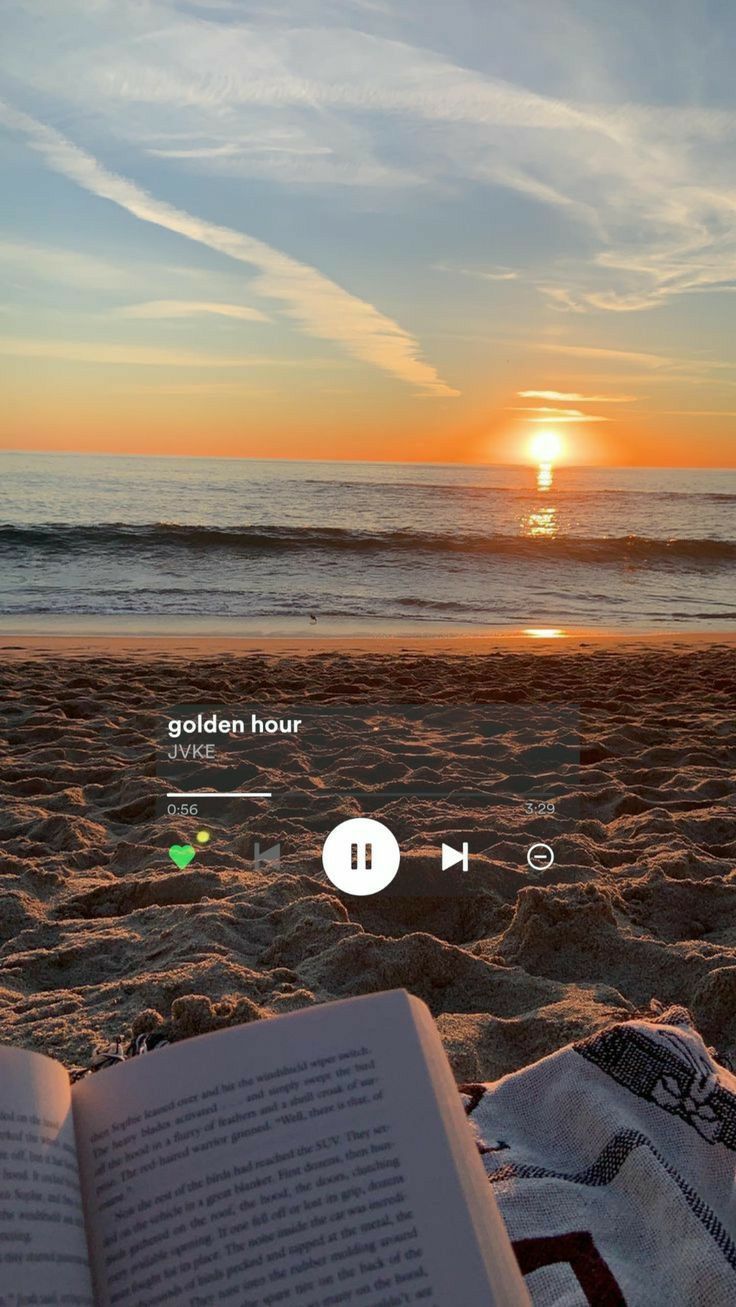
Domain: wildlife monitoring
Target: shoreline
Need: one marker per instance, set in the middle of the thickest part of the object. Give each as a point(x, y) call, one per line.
point(530, 641)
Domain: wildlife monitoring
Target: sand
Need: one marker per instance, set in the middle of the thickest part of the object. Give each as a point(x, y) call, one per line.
point(100, 935)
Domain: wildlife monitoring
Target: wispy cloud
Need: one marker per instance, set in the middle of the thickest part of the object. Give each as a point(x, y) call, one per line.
point(661, 366)
point(561, 298)
point(479, 274)
point(231, 151)
point(572, 397)
point(206, 388)
point(191, 309)
point(545, 414)
point(66, 267)
point(652, 184)
point(697, 413)
point(615, 356)
point(319, 306)
point(77, 351)
point(269, 141)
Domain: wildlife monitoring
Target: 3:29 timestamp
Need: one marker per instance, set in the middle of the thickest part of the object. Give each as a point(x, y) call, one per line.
point(539, 807)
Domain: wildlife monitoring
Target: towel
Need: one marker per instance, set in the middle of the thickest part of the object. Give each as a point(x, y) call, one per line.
point(613, 1163)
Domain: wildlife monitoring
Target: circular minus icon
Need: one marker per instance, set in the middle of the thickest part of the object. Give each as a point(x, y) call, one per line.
point(361, 856)
point(540, 857)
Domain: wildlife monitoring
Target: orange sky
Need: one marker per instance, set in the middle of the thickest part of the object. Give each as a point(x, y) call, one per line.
point(302, 416)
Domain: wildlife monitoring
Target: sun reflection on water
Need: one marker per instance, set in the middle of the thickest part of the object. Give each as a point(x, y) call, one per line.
point(545, 632)
point(542, 520)
point(545, 476)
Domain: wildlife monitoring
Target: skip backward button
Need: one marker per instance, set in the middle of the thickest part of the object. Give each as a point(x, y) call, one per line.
point(269, 857)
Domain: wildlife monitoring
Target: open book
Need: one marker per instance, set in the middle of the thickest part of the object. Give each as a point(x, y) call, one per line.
point(321, 1159)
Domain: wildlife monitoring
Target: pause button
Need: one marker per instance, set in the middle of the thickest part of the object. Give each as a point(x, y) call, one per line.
point(361, 856)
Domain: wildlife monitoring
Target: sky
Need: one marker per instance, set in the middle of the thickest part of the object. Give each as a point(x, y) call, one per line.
point(381, 229)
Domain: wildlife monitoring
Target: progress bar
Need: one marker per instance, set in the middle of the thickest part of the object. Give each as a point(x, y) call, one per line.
point(219, 794)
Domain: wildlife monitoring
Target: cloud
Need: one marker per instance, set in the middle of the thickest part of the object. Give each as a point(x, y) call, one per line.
point(652, 183)
point(209, 66)
point(572, 397)
point(615, 355)
point(191, 309)
point(320, 307)
point(194, 152)
point(696, 413)
point(643, 193)
point(558, 414)
point(482, 274)
point(312, 165)
point(232, 150)
point(197, 388)
point(561, 298)
point(76, 351)
point(67, 267)
point(671, 367)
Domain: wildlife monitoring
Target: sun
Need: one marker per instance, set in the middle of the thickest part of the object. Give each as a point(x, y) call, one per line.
point(547, 447)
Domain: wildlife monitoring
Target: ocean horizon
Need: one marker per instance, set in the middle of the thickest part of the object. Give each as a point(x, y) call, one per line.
point(172, 544)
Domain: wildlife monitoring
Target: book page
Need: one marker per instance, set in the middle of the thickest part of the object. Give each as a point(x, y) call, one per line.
point(297, 1161)
point(43, 1246)
point(493, 1240)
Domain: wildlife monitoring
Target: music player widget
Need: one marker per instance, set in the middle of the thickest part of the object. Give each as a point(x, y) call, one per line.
point(396, 799)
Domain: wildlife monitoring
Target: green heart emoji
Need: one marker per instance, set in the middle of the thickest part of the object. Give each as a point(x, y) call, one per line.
point(182, 854)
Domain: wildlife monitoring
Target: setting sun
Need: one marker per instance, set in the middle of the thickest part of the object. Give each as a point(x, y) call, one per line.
point(546, 447)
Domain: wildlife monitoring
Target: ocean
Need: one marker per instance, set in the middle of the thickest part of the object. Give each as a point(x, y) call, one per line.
point(252, 547)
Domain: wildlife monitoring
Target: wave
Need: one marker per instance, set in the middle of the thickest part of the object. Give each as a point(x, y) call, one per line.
point(575, 492)
point(165, 538)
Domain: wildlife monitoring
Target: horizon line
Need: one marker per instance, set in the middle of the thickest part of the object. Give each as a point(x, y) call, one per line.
point(374, 462)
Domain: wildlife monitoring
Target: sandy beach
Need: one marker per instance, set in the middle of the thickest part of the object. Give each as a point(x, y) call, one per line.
point(100, 935)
